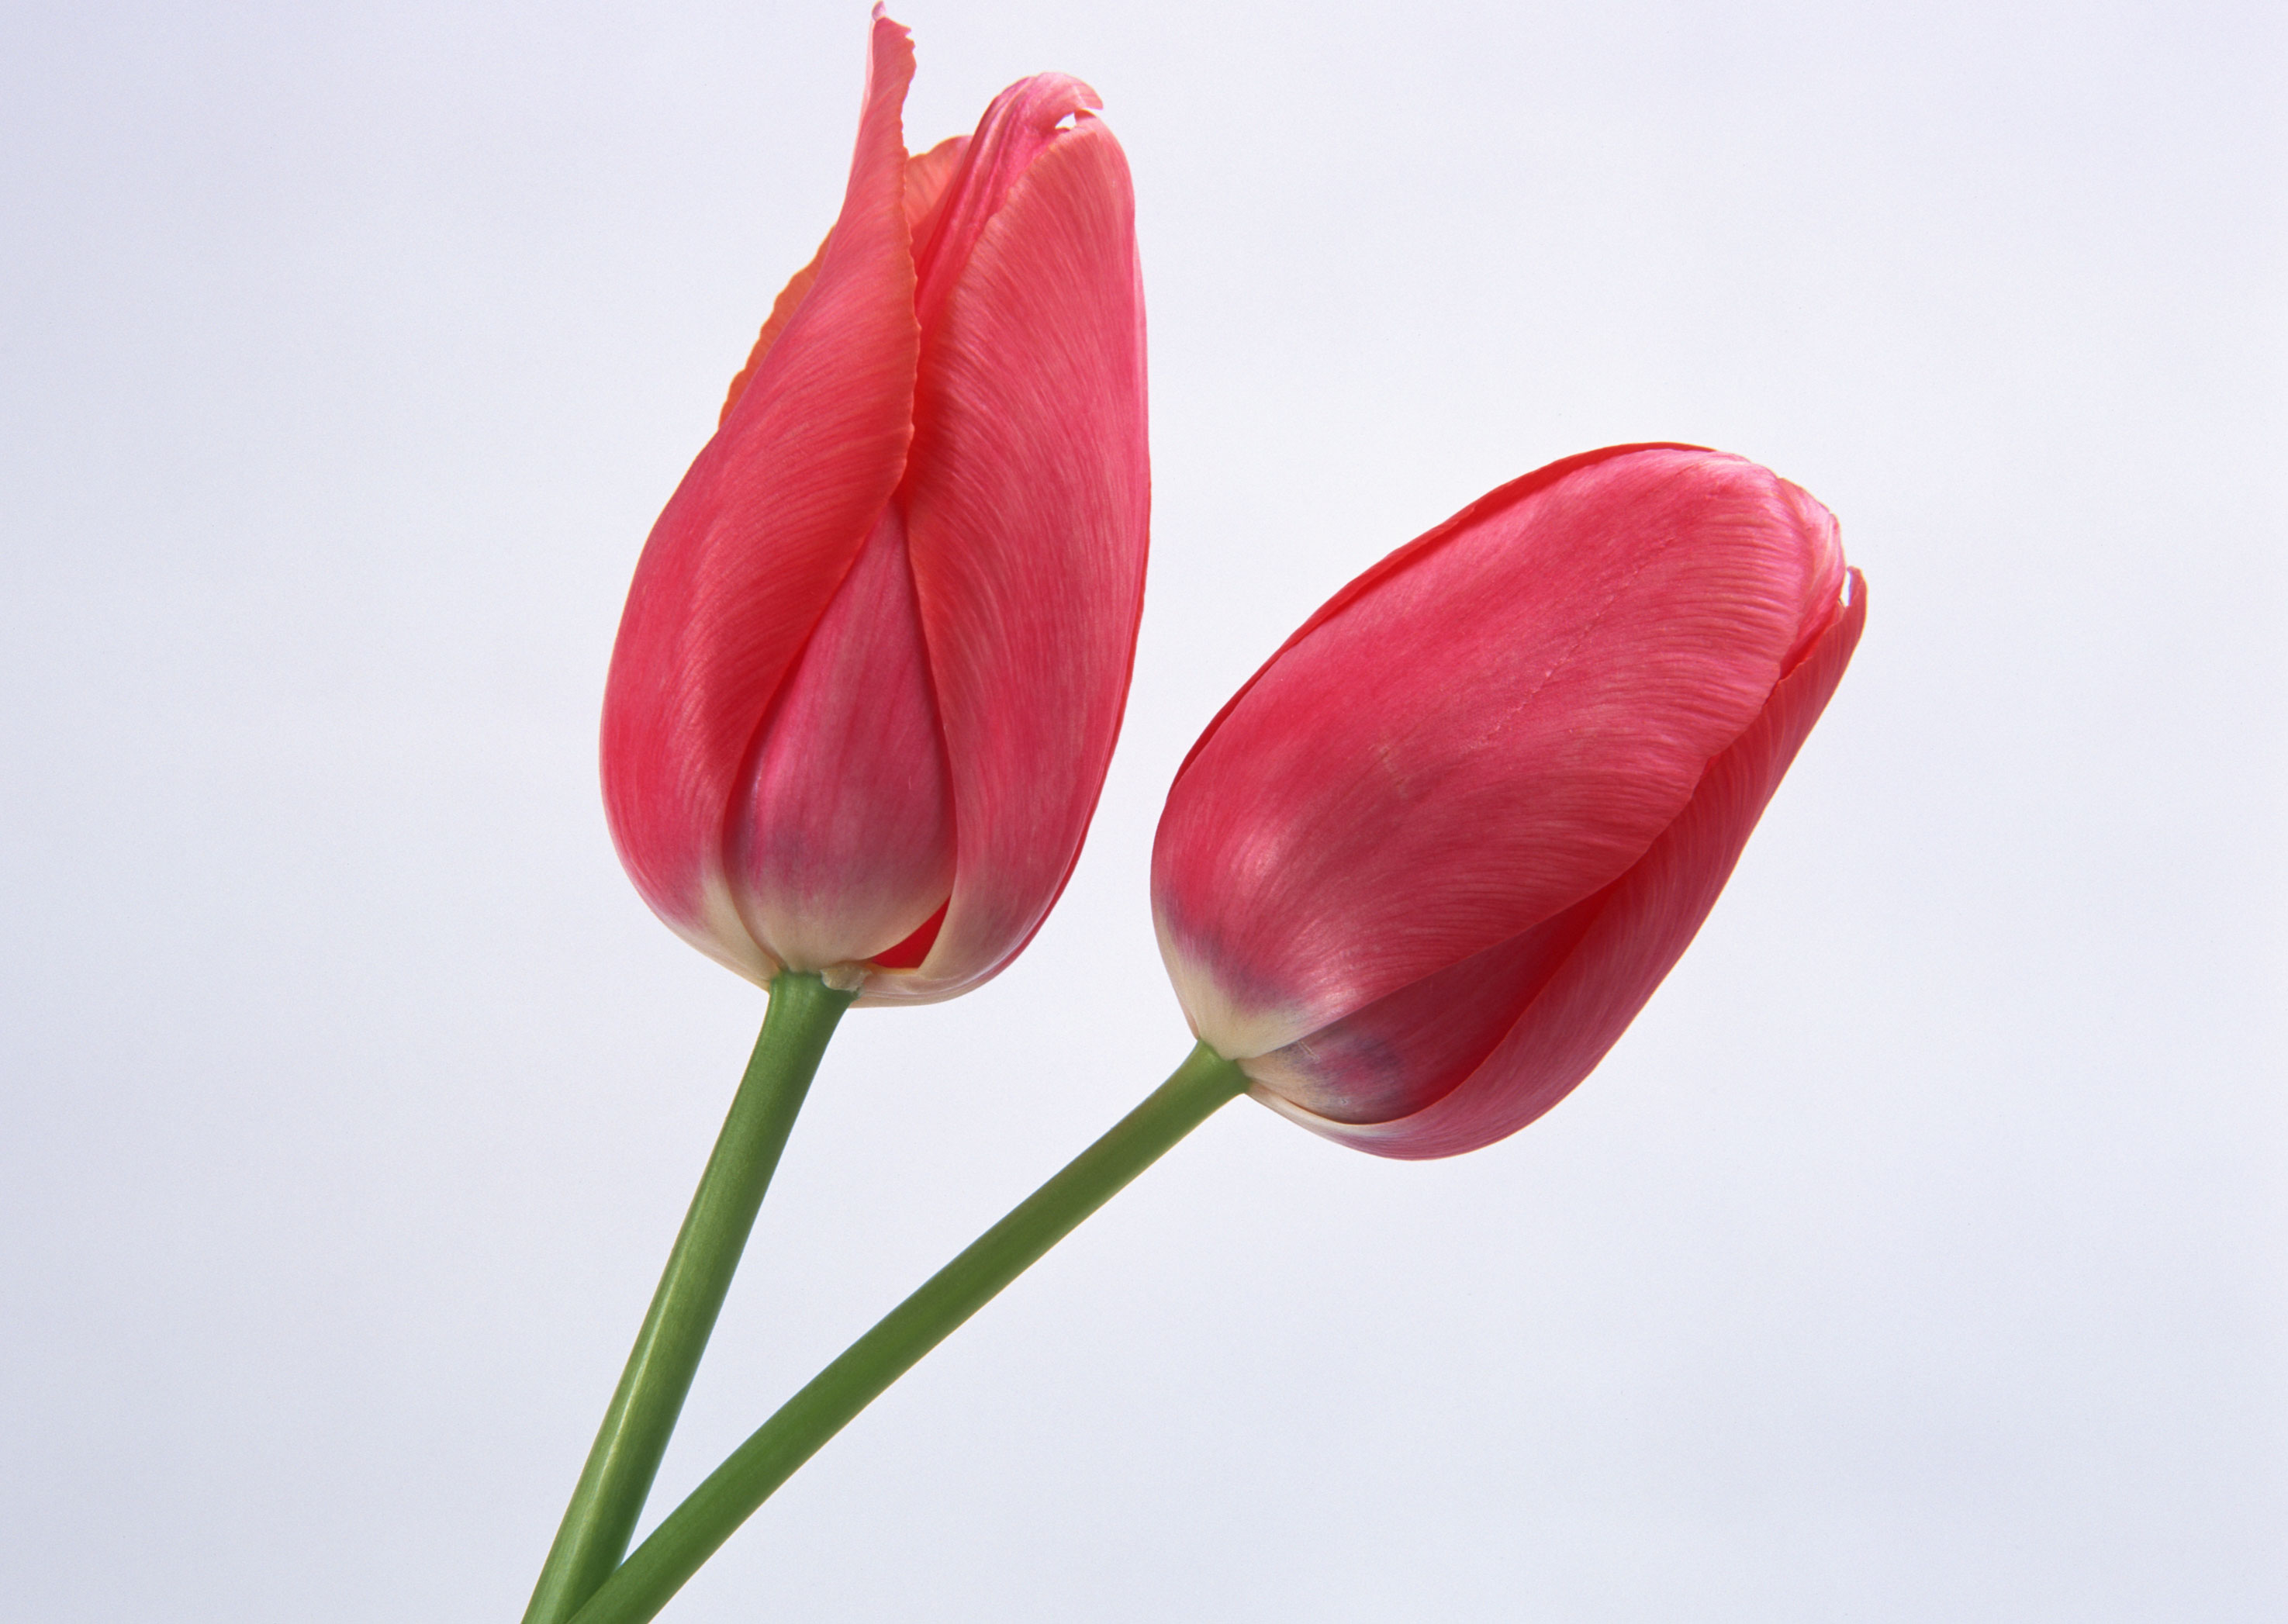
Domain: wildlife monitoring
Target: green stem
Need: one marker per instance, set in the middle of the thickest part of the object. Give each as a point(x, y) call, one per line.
point(625, 1456)
point(694, 1530)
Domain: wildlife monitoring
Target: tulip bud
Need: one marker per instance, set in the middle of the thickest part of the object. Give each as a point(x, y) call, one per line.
point(874, 655)
point(1428, 864)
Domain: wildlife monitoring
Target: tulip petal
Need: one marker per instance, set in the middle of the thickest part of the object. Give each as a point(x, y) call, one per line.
point(752, 544)
point(1412, 1047)
point(782, 309)
point(843, 844)
point(1641, 928)
point(1018, 127)
point(1026, 512)
point(928, 177)
point(1501, 726)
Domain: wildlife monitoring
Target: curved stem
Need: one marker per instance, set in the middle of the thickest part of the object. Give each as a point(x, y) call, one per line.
point(626, 1453)
point(694, 1530)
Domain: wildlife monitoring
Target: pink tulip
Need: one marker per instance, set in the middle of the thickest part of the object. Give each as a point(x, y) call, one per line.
point(1431, 860)
point(876, 652)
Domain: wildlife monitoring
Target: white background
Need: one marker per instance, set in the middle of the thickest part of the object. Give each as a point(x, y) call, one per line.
point(1918, 1255)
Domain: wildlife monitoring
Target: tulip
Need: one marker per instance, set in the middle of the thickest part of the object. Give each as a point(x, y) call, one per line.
point(876, 648)
point(1424, 870)
point(876, 652)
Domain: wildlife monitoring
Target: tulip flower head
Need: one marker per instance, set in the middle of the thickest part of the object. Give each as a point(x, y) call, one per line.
point(875, 654)
point(1423, 870)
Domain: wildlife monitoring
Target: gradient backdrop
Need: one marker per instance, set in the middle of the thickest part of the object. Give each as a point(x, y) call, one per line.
point(1919, 1255)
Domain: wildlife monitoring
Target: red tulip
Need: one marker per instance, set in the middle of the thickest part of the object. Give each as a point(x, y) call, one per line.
point(876, 652)
point(1431, 860)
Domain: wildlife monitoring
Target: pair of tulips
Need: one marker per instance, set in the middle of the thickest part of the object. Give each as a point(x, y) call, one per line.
point(1411, 884)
